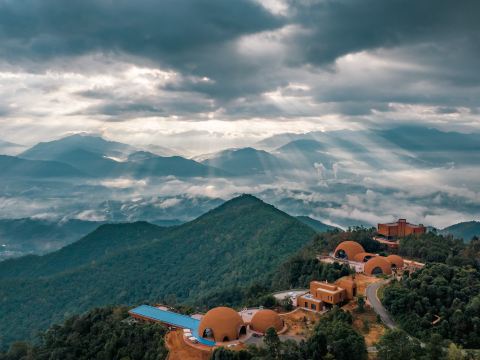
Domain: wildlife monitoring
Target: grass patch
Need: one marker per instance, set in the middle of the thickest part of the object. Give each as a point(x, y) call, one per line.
point(380, 292)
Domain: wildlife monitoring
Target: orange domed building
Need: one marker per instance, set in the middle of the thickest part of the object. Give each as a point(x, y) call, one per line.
point(265, 319)
point(363, 257)
point(222, 324)
point(395, 261)
point(378, 265)
point(348, 250)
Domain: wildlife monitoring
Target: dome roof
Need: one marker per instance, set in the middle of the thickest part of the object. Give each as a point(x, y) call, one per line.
point(349, 248)
point(360, 257)
point(378, 265)
point(264, 319)
point(396, 261)
point(221, 323)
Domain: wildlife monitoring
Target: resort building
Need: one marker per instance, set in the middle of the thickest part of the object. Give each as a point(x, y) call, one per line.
point(265, 319)
point(399, 229)
point(353, 254)
point(323, 294)
point(218, 326)
point(222, 324)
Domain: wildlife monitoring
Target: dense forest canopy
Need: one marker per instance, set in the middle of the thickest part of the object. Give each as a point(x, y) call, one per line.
point(99, 334)
point(431, 247)
point(438, 291)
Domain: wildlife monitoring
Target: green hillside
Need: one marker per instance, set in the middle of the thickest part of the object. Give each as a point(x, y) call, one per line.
point(316, 225)
point(103, 242)
point(241, 241)
point(464, 230)
point(37, 236)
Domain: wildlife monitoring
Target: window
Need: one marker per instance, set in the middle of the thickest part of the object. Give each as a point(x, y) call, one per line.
point(314, 307)
point(306, 304)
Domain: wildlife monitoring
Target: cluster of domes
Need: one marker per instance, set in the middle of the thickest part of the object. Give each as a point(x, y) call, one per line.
point(374, 264)
point(225, 324)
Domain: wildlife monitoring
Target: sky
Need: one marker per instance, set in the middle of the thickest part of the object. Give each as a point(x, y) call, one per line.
point(207, 74)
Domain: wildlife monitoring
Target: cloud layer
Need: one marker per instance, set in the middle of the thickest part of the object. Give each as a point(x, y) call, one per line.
point(321, 64)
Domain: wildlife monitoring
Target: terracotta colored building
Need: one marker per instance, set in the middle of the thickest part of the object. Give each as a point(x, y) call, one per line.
point(323, 294)
point(400, 229)
point(354, 255)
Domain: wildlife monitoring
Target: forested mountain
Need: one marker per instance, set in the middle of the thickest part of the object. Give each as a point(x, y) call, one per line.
point(103, 242)
point(246, 161)
point(13, 167)
point(24, 236)
point(315, 224)
point(98, 157)
point(243, 240)
point(95, 144)
point(464, 230)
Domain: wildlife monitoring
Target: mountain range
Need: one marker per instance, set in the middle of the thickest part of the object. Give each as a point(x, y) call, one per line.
point(347, 177)
point(93, 156)
point(97, 157)
point(239, 242)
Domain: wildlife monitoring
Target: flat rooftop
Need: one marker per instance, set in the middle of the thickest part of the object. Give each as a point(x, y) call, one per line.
point(170, 318)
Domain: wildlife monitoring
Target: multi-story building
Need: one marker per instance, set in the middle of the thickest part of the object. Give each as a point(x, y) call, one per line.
point(399, 229)
point(324, 294)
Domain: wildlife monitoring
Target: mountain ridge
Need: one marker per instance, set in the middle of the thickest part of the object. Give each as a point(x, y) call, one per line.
point(215, 250)
point(464, 230)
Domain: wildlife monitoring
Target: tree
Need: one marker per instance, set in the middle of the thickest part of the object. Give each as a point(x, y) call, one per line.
point(455, 352)
point(287, 304)
point(269, 301)
point(434, 348)
point(397, 345)
point(222, 354)
point(440, 292)
point(98, 334)
point(361, 303)
point(334, 334)
point(272, 342)
point(316, 345)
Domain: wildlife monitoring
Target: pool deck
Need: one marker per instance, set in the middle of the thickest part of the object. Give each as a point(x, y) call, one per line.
point(170, 318)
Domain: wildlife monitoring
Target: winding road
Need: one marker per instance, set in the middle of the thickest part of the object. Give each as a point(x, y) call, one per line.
point(371, 293)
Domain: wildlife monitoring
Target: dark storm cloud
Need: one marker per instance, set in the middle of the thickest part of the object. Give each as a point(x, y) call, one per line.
point(41, 29)
point(190, 36)
point(341, 27)
point(200, 39)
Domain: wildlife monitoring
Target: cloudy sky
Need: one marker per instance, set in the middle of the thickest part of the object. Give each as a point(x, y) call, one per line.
point(219, 73)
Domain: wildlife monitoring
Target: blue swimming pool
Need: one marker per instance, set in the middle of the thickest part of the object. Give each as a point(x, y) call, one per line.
point(171, 318)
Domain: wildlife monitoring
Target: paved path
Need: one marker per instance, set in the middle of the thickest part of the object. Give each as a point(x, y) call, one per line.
point(377, 306)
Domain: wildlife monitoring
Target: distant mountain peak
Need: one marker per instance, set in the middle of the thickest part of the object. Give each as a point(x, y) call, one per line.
point(142, 155)
point(464, 230)
point(50, 150)
point(302, 145)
